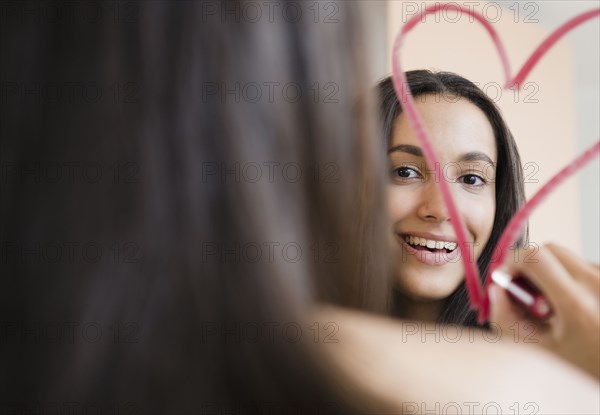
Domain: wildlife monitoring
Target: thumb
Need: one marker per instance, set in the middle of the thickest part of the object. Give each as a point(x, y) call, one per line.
point(507, 317)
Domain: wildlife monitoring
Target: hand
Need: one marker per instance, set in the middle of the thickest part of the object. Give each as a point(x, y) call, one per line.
point(572, 287)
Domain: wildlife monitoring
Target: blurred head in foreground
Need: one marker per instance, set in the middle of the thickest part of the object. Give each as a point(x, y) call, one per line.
point(177, 192)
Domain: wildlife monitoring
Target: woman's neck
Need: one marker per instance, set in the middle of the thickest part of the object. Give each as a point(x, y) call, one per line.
point(421, 310)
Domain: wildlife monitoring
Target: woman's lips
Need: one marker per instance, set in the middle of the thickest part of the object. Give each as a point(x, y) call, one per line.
point(437, 258)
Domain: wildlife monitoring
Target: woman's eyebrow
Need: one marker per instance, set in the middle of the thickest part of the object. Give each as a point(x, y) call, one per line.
point(407, 148)
point(476, 156)
point(416, 151)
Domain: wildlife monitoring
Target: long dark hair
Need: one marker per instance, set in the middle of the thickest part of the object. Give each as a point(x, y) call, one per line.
point(510, 190)
point(163, 231)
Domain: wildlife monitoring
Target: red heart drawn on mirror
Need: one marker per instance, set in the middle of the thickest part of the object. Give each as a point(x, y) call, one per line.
point(478, 297)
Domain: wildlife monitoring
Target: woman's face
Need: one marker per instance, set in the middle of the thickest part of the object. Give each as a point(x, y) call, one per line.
point(428, 265)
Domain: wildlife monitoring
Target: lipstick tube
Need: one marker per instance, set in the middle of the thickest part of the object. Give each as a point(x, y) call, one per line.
point(523, 292)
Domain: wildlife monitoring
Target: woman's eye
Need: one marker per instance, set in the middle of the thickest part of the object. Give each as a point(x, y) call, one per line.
point(472, 180)
point(404, 173)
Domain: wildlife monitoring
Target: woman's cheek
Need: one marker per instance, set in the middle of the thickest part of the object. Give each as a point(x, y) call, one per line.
point(480, 221)
point(400, 202)
point(488, 215)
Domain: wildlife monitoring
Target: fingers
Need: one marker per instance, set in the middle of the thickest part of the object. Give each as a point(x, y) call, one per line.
point(582, 271)
point(572, 286)
point(547, 272)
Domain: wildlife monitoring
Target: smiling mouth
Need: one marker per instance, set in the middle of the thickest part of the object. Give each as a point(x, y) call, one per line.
point(431, 245)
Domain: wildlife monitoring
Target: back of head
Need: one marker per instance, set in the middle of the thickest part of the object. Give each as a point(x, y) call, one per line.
point(165, 228)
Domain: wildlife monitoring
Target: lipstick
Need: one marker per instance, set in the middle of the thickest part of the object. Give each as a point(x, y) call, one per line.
point(523, 292)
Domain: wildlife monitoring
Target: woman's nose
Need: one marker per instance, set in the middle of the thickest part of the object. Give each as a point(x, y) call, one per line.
point(431, 205)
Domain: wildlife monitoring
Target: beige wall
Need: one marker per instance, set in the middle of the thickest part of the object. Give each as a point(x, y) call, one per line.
point(541, 116)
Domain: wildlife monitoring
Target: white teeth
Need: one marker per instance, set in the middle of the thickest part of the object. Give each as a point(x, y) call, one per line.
point(415, 240)
point(429, 243)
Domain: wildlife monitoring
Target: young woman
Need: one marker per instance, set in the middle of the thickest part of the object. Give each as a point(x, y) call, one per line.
point(479, 156)
point(169, 309)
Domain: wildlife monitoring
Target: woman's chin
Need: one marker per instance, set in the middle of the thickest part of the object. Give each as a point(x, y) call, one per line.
point(427, 289)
